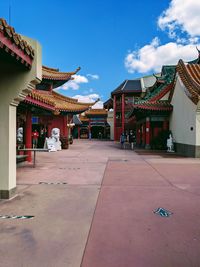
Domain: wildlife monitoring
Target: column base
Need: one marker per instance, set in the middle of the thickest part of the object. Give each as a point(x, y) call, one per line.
point(147, 146)
point(7, 194)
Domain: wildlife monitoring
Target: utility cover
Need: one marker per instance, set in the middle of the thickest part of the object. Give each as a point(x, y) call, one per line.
point(163, 212)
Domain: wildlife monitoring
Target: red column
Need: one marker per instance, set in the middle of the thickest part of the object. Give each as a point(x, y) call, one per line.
point(28, 134)
point(143, 134)
point(64, 126)
point(114, 115)
point(138, 135)
point(147, 130)
point(79, 132)
point(165, 125)
point(123, 113)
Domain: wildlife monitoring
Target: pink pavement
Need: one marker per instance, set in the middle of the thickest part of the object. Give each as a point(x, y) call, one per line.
point(127, 233)
point(103, 214)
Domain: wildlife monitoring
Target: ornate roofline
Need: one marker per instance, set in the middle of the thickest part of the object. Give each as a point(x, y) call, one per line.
point(192, 87)
point(13, 43)
point(56, 102)
point(55, 74)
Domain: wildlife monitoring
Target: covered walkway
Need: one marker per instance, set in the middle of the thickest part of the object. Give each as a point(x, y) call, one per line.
point(93, 206)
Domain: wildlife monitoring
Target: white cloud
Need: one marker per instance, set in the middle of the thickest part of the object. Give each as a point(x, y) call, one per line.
point(152, 56)
point(89, 99)
point(93, 76)
point(181, 16)
point(75, 83)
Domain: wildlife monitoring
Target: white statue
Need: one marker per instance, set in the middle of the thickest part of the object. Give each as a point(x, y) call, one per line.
point(20, 135)
point(53, 143)
point(170, 144)
point(55, 134)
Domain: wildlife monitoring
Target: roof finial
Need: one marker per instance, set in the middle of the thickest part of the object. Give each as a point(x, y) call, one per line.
point(155, 76)
point(78, 69)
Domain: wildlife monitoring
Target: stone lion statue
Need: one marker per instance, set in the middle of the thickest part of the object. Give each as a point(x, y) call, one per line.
point(55, 134)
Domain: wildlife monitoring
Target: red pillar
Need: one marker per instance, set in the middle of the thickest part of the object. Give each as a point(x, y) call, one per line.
point(143, 134)
point(28, 134)
point(147, 130)
point(114, 115)
point(123, 113)
point(165, 125)
point(79, 132)
point(65, 126)
point(138, 135)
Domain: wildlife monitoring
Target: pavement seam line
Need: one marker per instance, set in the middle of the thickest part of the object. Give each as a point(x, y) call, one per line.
point(170, 183)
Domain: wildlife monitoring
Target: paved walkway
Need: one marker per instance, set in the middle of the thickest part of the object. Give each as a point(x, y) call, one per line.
point(102, 214)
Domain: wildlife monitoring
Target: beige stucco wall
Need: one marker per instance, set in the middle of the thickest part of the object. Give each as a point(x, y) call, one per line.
point(198, 125)
point(183, 116)
point(110, 120)
point(15, 84)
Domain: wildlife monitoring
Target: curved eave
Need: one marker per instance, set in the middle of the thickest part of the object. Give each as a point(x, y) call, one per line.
point(157, 108)
point(192, 86)
point(13, 44)
point(38, 103)
point(74, 111)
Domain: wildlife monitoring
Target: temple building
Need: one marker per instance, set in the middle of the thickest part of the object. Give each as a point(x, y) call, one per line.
point(152, 111)
point(121, 102)
point(44, 109)
point(94, 125)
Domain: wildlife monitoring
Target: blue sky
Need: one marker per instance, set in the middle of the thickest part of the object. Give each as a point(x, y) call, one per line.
point(110, 40)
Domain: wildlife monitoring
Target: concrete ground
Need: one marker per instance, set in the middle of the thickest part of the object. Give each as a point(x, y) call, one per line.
point(103, 214)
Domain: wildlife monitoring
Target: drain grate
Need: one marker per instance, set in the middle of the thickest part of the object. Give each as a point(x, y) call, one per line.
point(21, 217)
point(163, 212)
point(52, 183)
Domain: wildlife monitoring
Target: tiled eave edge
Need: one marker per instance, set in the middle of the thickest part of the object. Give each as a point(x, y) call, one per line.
point(191, 86)
point(8, 46)
point(162, 93)
point(38, 103)
point(145, 107)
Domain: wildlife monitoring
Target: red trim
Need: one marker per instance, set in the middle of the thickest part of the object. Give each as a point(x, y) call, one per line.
point(162, 93)
point(13, 48)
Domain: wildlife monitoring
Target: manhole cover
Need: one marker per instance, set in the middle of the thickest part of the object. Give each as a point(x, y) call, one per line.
point(163, 212)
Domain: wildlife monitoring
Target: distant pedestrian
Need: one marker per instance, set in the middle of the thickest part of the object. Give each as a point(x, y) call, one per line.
point(90, 136)
point(35, 136)
point(122, 140)
point(131, 140)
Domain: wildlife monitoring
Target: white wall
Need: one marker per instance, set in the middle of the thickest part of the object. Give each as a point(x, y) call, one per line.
point(183, 116)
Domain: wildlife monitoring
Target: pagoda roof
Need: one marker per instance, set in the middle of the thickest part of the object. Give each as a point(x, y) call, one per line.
point(15, 45)
point(108, 103)
point(54, 78)
point(190, 76)
point(128, 86)
point(96, 112)
point(162, 85)
point(55, 74)
point(56, 102)
point(152, 99)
